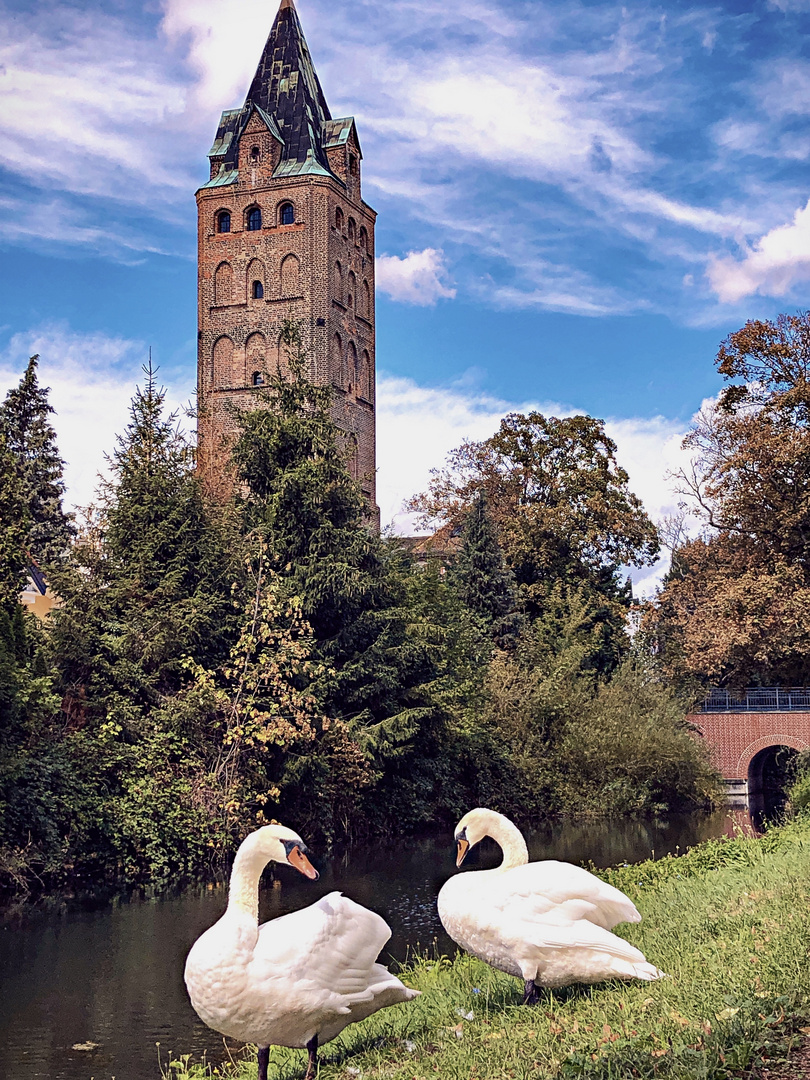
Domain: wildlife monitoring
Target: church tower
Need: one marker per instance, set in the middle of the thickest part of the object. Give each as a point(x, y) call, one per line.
point(283, 232)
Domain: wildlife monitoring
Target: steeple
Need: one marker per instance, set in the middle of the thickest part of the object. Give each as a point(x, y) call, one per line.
point(287, 88)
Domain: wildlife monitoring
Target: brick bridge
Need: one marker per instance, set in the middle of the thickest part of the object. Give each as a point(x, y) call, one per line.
point(744, 728)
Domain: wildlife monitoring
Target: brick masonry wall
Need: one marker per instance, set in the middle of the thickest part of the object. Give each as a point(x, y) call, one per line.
point(735, 738)
point(319, 270)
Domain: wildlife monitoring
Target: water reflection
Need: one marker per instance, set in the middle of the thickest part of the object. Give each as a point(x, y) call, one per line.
point(112, 974)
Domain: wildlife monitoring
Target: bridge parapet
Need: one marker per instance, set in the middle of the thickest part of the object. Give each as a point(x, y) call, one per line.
point(757, 699)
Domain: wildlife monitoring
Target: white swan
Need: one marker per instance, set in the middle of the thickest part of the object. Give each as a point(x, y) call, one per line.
point(548, 923)
point(297, 980)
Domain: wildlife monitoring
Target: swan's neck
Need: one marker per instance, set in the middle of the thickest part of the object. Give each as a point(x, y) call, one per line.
point(243, 894)
point(510, 839)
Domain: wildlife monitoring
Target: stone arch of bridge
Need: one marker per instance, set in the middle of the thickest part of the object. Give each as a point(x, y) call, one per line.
point(795, 742)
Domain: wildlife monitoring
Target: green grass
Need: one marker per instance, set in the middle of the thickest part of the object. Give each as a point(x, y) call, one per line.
point(729, 921)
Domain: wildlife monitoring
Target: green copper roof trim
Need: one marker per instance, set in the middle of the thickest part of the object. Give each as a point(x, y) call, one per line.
point(223, 178)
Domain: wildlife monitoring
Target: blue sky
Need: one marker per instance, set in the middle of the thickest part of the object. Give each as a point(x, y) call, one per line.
point(577, 202)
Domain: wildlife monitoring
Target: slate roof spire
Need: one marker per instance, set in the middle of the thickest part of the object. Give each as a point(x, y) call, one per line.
point(287, 87)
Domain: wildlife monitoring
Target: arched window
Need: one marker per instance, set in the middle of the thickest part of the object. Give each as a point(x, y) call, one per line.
point(258, 378)
point(254, 279)
point(352, 229)
point(257, 290)
point(367, 300)
point(254, 219)
point(287, 214)
point(351, 364)
point(290, 276)
point(255, 153)
point(339, 219)
point(338, 282)
point(336, 362)
point(353, 164)
point(223, 284)
point(223, 221)
point(363, 238)
point(352, 290)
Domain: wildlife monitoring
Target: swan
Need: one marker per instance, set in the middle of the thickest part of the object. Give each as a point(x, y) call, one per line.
point(297, 980)
point(548, 923)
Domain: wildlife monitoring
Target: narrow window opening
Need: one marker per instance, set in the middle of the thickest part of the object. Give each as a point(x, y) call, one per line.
point(255, 153)
point(287, 214)
point(254, 219)
point(339, 219)
point(352, 228)
point(258, 290)
point(224, 222)
point(258, 378)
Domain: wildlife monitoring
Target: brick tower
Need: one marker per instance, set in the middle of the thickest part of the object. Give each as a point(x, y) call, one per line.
point(283, 232)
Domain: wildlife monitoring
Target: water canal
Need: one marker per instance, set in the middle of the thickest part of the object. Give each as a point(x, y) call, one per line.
point(111, 974)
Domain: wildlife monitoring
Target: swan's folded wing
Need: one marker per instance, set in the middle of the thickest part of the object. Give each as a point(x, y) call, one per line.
point(537, 888)
point(333, 943)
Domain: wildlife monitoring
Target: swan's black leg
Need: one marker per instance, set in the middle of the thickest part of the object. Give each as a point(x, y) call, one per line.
point(529, 992)
point(312, 1064)
point(264, 1061)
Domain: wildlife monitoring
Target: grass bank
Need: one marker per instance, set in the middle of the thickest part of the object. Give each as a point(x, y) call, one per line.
point(729, 921)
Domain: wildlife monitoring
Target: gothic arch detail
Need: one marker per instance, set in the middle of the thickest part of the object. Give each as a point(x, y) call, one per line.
point(255, 356)
point(351, 298)
point(223, 284)
point(336, 362)
point(255, 272)
point(364, 380)
point(290, 276)
point(222, 362)
point(367, 305)
point(351, 364)
point(338, 282)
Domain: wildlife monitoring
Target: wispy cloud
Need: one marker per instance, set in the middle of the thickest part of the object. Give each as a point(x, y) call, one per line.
point(603, 119)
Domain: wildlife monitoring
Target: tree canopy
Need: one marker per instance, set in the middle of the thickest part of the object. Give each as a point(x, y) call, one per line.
point(734, 607)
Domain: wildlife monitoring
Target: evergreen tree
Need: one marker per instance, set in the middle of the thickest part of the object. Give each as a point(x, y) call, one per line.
point(484, 581)
point(14, 527)
point(300, 498)
point(152, 577)
point(32, 440)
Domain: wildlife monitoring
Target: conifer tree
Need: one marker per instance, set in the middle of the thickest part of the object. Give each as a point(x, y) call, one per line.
point(154, 577)
point(485, 583)
point(14, 527)
point(300, 497)
point(32, 441)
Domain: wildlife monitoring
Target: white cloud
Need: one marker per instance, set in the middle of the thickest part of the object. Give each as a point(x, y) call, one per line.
point(92, 378)
point(777, 261)
point(416, 278)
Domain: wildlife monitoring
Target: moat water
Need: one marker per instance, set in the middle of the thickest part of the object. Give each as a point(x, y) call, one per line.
point(112, 974)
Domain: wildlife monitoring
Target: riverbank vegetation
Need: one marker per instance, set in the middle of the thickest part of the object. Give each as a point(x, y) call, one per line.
point(730, 923)
point(219, 659)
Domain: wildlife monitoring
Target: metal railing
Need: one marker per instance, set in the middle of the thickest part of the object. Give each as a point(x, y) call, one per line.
point(757, 699)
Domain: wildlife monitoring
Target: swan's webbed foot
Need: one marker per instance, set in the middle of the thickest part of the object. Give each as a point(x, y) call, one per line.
point(530, 994)
point(264, 1061)
point(312, 1064)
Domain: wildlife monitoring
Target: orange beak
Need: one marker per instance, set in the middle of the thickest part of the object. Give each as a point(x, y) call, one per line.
point(463, 848)
point(299, 860)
